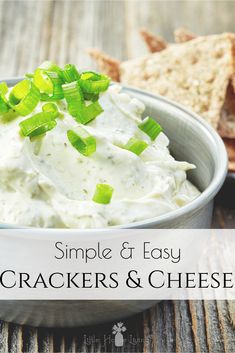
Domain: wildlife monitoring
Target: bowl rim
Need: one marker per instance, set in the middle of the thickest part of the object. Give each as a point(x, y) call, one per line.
point(221, 168)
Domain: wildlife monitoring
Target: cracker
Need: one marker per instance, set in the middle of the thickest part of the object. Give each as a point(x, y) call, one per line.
point(195, 73)
point(226, 126)
point(230, 146)
point(183, 35)
point(154, 43)
point(199, 80)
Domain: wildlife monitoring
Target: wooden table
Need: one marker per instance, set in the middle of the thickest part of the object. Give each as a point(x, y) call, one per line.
point(33, 31)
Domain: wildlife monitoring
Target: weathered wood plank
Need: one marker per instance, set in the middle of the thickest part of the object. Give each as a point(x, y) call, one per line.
point(45, 341)
point(183, 327)
point(29, 337)
point(4, 337)
point(198, 325)
point(226, 326)
point(192, 326)
point(213, 330)
point(15, 339)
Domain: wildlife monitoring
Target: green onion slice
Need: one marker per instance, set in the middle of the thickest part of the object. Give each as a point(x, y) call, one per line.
point(103, 193)
point(24, 97)
point(29, 75)
point(92, 82)
point(50, 66)
point(4, 106)
point(74, 98)
point(49, 84)
point(136, 146)
point(70, 73)
point(150, 127)
point(37, 124)
point(89, 113)
point(51, 108)
point(43, 82)
point(3, 88)
point(91, 97)
point(76, 106)
point(82, 141)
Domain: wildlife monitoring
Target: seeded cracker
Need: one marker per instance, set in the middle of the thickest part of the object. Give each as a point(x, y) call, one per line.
point(195, 73)
point(183, 35)
point(153, 42)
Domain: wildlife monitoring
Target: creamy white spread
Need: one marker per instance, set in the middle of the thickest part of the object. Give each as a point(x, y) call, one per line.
point(46, 182)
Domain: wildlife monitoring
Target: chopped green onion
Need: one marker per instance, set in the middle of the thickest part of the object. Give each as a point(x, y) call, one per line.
point(70, 73)
point(136, 146)
point(43, 82)
point(29, 75)
point(37, 124)
point(91, 97)
point(82, 141)
point(150, 127)
point(9, 115)
point(92, 82)
point(3, 88)
point(50, 108)
point(76, 105)
point(49, 83)
point(48, 80)
point(89, 113)
point(103, 194)
point(50, 66)
point(24, 97)
point(74, 98)
point(4, 106)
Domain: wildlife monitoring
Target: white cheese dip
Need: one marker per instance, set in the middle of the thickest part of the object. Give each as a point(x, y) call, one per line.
point(46, 182)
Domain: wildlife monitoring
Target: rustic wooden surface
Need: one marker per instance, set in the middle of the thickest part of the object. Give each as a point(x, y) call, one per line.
point(32, 31)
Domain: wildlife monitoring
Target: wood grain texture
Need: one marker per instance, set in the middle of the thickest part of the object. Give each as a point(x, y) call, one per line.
point(33, 31)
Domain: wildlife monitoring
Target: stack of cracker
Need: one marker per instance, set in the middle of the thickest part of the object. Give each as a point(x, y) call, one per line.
point(198, 72)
